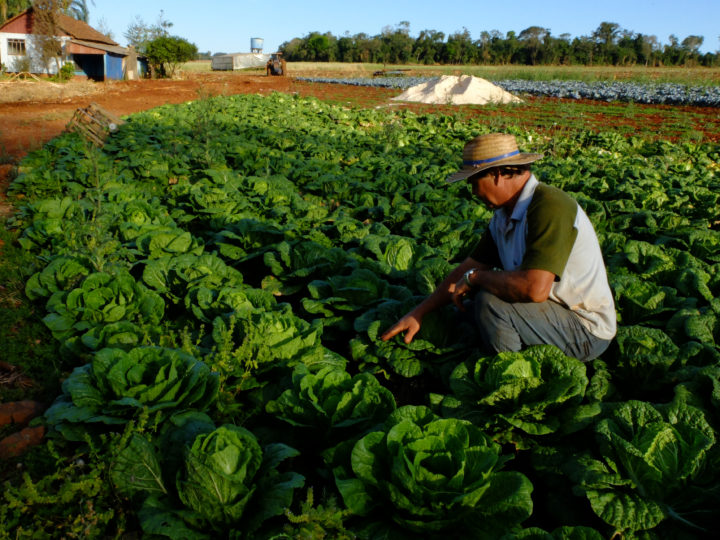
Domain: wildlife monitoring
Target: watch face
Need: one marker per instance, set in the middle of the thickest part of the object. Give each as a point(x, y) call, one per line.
point(467, 276)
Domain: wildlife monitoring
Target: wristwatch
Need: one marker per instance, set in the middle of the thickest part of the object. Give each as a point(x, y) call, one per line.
point(467, 275)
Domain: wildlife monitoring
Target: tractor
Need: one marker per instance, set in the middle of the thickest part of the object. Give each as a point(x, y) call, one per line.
point(276, 65)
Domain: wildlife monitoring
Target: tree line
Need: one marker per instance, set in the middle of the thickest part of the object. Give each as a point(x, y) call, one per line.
point(609, 44)
point(77, 9)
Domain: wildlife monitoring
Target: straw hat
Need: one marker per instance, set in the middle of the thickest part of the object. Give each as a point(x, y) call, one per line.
point(493, 150)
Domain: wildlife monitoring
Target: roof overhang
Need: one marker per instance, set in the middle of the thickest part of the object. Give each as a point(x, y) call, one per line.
point(79, 46)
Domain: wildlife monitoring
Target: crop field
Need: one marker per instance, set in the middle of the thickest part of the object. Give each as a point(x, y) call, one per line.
point(684, 75)
point(198, 305)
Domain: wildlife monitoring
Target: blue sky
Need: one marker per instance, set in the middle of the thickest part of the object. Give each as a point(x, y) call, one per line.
point(228, 25)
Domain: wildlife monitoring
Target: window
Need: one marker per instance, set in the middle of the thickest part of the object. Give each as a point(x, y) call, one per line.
point(16, 47)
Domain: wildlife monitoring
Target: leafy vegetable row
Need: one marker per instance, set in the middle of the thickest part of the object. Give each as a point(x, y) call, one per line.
point(231, 262)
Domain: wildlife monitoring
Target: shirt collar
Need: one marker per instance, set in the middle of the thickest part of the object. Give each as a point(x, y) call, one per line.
point(523, 201)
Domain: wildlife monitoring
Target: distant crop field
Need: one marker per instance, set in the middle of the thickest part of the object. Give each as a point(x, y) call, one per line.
point(684, 75)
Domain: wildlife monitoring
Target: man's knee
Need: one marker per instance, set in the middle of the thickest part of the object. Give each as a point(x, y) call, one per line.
point(487, 306)
point(494, 323)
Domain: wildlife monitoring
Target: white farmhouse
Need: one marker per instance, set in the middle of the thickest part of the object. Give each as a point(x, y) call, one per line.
point(94, 54)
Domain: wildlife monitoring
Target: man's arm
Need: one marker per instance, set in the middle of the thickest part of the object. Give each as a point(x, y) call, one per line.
point(442, 295)
point(512, 286)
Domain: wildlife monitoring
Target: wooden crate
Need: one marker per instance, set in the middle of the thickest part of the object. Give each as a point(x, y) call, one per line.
point(94, 123)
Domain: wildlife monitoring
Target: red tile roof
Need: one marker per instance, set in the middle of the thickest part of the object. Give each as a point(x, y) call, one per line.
point(68, 25)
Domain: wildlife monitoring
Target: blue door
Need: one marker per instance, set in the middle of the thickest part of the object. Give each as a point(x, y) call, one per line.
point(113, 66)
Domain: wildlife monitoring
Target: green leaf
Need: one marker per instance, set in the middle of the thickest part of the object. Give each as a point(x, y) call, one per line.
point(158, 517)
point(626, 511)
point(136, 468)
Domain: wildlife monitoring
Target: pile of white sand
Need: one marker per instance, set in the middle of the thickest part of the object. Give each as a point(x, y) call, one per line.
point(454, 90)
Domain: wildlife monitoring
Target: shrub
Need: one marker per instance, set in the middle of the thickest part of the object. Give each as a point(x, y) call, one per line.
point(166, 53)
point(67, 72)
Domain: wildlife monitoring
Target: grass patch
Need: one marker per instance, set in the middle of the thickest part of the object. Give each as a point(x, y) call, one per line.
point(197, 66)
point(27, 343)
point(695, 76)
point(690, 76)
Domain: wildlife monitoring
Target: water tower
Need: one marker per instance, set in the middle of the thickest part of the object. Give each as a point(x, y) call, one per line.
point(256, 45)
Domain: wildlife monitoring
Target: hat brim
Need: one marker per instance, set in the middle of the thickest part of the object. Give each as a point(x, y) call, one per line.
point(467, 172)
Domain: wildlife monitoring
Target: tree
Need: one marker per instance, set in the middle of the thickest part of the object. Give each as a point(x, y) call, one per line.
point(166, 53)
point(608, 44)
point(368, 48)
point(102, 26)
point(293, 50)
point(396, 44)
point(692, 44)
point(428, 46)
point(562, 49)
point(140, 34)
point(583, 50)
point(673, 54)
point(48, 47)
point(606, 35)
point(508, 47)
point(10, 8)
point(646, 48)
point(459, 48)
point(318, 46)
point(78, 9)
point(533, 39)
point(346, 48)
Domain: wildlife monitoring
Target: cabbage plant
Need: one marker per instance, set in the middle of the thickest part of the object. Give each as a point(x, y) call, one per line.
point(435, 342)
point(529, 392)
point(174, 275)
point(231, 482)
point(655, 464)
point(117, 385)
point(76, 317)
point(267, 339)
point(429, 475)
point(332, 403)
point(63, 273)
point(339, 296)
point(568, 532)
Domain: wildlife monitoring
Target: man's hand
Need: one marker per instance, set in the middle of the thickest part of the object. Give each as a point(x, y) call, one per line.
point(410, 324)
point(449, 290)
point(458, 291)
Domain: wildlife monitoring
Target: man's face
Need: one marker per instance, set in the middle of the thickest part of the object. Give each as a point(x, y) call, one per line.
point(484, 187)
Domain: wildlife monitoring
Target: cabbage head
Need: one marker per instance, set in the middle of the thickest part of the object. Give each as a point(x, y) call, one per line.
point(82, 318)
point(117, 385)
point(657, 465)
point(332, 398)
point(533, 392)
point(230, 481)
point(428, 474)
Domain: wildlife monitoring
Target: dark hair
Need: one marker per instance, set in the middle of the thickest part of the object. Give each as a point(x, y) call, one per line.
point(512, 170)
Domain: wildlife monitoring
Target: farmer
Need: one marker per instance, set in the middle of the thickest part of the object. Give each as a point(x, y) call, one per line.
point(537, 275)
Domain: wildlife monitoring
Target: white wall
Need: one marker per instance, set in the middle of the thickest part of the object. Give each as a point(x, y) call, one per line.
point(36, 65)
